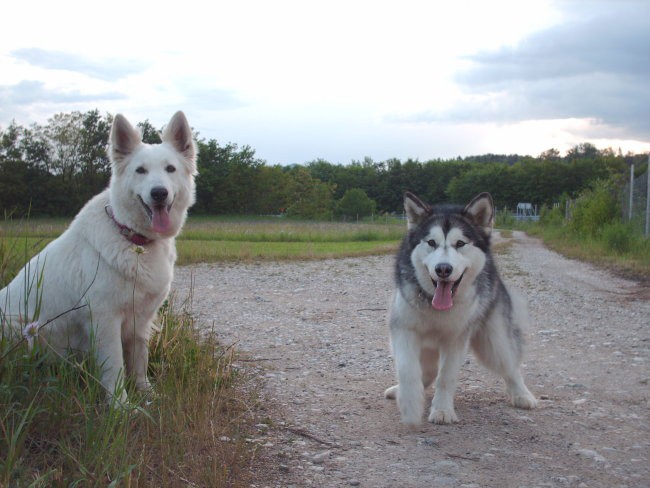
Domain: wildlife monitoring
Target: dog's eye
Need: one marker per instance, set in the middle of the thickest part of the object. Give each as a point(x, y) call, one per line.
point(170, 168)
point(140, 170)
point(432, 243)
point(459, 244)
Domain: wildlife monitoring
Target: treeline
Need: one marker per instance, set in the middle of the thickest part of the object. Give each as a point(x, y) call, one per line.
point(53, 169)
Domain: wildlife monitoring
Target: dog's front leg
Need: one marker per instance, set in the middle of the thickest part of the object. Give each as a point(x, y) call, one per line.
point(108, 351)
point(451, 359)
point(410, 391)
point(136, 354)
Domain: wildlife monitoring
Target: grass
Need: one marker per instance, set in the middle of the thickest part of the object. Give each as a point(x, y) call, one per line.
point(631, 258)
point(214, 251)
point(214, 239)
point(56, 429)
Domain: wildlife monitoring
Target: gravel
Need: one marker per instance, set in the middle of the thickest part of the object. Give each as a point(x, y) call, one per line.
point(315, 334)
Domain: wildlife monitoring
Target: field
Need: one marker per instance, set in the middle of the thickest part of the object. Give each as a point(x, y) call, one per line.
point(212, 239)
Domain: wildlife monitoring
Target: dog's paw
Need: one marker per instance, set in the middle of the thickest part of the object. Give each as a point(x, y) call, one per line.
point(410, 411)
point(391, 393)
point(411, 418)
point(443, 416)
point(144, 386)
point(526, 401)
point(119, 402)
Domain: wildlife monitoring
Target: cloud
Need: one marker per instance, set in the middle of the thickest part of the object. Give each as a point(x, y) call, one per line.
point(104, 69)
point(594, 65)
point(30, 92)
point(210, 97)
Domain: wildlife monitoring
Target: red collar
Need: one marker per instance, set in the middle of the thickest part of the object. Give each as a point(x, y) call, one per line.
point(130, 234)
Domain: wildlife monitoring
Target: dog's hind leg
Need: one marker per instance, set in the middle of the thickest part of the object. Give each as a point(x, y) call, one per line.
point(501, 352)
point(429, 365)
point(429, 361)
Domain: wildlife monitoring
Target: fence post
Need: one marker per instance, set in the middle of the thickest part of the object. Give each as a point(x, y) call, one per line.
point(647, 201)
point(629, 213)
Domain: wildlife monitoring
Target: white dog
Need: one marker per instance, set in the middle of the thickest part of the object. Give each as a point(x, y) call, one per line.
point(100, 284)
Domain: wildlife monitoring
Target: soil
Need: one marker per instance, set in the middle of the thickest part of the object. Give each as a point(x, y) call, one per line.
point(315, 333)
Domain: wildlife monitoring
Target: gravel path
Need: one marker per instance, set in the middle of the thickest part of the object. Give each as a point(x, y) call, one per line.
point(318, 333)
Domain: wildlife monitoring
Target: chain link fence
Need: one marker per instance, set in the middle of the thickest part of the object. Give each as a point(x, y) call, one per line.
point(636, 202)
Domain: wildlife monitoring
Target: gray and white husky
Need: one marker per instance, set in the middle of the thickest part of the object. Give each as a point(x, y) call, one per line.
point(448, 297)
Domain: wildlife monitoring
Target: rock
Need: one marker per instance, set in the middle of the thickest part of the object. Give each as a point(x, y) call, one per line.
point(321, 457)
point(591, 454)
point(444, 481)
point(446, 467)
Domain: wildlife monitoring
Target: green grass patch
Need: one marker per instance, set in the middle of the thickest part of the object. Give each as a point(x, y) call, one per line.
point(616, 246)
point(38, 227)
point(285, 230)
point(190, 251)
point(214, 239)
point(15, 252)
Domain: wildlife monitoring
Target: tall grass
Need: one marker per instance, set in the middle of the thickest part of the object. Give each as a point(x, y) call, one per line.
point(595, 233)
point(57, 430)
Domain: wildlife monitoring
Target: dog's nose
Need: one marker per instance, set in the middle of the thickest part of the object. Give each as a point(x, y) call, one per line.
point(443, 270)
point(159, 194)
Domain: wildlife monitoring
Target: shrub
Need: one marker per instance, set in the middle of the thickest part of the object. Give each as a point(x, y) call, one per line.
point(504, 220)
point(618, 237)
point(594, 209)
point(552, 217)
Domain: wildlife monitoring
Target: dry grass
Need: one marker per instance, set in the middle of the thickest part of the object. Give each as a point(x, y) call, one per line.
point(56, 429)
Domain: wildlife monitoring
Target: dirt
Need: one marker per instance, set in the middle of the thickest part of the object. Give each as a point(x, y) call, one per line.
point(315, 332)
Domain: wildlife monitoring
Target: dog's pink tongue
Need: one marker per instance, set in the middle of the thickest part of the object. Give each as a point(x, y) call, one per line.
point(442, 298)
point(160, 221)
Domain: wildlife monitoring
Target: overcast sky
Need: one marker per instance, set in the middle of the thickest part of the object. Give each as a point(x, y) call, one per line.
point(342, 80)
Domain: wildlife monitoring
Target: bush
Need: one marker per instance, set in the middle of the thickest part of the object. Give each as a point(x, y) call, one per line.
point(618, 237)
point(552, 217)
point(504, 220)
point(594, 209)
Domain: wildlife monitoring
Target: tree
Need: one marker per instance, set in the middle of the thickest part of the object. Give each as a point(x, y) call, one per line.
point(77, 156)
point(550, 154)
point(582, 150)
point(355, 204)
point(311, 198)
point(13, 185)
point(150, 135)
point(228, 180)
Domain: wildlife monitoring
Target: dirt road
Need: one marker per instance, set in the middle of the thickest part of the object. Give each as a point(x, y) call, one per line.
point(318, 332)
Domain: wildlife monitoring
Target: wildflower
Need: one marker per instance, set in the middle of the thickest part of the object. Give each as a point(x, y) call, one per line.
point(139, 250)
point(30, 331)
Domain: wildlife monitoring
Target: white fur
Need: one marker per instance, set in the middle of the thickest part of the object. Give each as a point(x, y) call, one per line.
point(93, 266)
point(430, 345)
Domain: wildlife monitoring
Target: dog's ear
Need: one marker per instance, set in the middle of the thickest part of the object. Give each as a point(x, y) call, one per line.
point(416, 210)
point(123, 140)
point(481, 211)
point(179, 134)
